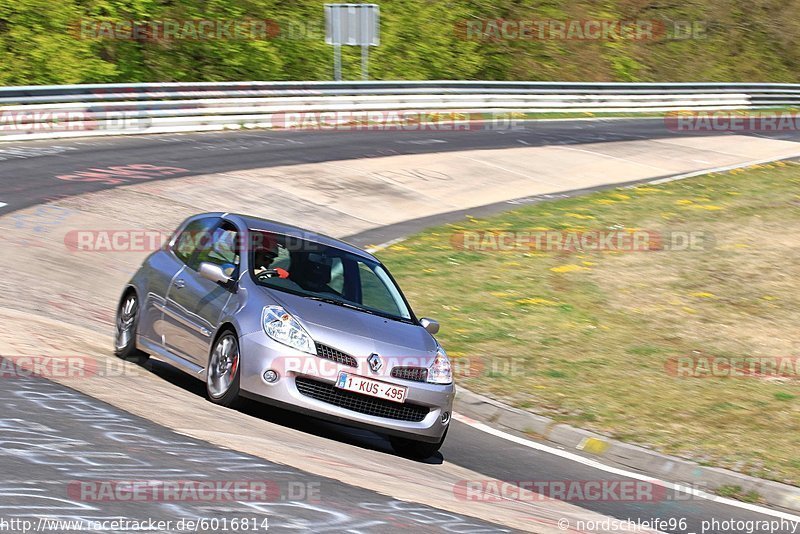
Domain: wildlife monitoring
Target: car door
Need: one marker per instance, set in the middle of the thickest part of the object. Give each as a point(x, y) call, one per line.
point(161, 269)
point(195, 304)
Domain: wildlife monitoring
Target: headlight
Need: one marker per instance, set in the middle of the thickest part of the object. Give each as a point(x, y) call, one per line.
point(283, 328)
point(440, 372)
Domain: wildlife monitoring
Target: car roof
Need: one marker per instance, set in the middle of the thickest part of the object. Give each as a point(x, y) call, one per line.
point(267, 225)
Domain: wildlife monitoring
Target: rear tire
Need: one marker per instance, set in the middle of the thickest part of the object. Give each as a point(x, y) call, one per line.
point(417, 450)
point(127, 323)
point(222, 374)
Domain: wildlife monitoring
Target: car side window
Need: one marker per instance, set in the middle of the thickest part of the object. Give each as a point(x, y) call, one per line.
point(337, 276)
point(221, 249)
point(194, 235)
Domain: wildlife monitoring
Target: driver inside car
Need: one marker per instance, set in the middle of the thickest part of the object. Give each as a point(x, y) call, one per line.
point(263, 258)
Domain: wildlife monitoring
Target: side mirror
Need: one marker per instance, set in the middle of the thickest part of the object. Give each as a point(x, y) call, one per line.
point(430, 325)
point(214, 273)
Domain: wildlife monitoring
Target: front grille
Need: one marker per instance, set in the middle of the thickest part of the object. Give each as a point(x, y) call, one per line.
point(416, 374)
point(360, 403)
point(329, 353)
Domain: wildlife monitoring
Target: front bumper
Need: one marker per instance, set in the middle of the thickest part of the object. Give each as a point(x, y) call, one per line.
point(260, 353)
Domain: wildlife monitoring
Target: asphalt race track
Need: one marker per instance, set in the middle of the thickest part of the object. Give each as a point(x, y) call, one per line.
point(55, 438)
point(45, 445)
point(27, 169)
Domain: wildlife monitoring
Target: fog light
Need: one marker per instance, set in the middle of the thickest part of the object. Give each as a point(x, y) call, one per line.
point(270, 376)
point(445, 417)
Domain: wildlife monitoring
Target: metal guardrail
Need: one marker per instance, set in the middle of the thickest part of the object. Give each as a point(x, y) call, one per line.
point(31, 112)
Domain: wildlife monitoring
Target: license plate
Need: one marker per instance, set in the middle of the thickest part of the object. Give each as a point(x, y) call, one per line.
point(373, 388)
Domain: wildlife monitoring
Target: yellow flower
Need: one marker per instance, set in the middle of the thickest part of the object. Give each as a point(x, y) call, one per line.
point(588, 263)
point(537, 301)
point(579, 216)
point(684, 202)
point(708, 207)
point(398, 247)
point(567, 268)
point(703, 295)
point(620, 196)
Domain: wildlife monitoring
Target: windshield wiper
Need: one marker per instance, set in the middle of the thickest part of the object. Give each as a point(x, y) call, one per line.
point(341, 303)
point(355, 307)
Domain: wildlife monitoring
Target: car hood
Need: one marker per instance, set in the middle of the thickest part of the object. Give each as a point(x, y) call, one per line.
point(358, 333)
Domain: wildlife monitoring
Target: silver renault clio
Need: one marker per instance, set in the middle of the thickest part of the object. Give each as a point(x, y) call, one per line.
point(291, 318)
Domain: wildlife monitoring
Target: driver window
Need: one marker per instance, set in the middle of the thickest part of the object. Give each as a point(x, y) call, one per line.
point(194, 235)
point(221, 249)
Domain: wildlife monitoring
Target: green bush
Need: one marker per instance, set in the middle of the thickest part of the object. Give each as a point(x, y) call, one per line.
point(744, 40)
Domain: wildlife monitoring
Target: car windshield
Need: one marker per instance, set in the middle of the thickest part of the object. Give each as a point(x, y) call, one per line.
point(313, 270)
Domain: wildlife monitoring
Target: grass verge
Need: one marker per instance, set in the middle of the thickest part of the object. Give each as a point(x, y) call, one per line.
point(591, 338)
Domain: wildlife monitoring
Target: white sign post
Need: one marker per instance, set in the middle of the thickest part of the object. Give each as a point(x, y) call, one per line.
point(351, 25)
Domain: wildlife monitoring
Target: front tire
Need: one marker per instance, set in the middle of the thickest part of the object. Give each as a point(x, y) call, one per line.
point(418, 450)
point(127, 323)
point(222, 375)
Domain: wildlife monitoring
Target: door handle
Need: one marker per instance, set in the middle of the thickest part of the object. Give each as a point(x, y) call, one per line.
point(180, 283)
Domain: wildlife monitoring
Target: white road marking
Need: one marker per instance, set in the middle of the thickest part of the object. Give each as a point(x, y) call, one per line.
point(603, 154)
point(3, 204)
point(719, 169)
point(505, 169)
point(621, 472)
point(376, 248)
point(423, 142)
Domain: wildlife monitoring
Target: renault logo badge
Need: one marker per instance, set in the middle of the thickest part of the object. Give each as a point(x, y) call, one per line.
point(375, 362)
